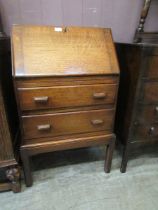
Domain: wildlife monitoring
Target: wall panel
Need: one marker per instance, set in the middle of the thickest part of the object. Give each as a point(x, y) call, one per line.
point(122, 16)
point(72, 12)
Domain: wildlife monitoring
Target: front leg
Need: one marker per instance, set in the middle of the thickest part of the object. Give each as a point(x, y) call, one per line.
point(109, 154)
point(124, 158)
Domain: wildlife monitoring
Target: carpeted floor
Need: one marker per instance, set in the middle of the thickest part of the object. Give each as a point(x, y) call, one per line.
point(75, 180)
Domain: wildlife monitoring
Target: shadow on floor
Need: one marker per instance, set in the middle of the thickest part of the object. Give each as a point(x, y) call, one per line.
point(63, 158)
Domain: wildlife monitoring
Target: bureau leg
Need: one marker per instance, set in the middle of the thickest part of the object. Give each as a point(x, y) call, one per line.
point(109, 154)
point(26, 167)
point(124, 159)
point(13, 175)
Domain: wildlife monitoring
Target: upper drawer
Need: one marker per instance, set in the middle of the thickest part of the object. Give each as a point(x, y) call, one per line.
point(150, 65)
point(145, 132)
point(66, 96)
point(150, 93)
point(146, 114)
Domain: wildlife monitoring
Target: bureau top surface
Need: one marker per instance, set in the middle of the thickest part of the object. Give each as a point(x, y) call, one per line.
point(66, 51)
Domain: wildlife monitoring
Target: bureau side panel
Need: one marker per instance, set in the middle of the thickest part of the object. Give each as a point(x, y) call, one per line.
point(129, 61)
point(6, 151)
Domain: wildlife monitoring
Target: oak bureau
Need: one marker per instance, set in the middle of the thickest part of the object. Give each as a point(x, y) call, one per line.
point(66, 81)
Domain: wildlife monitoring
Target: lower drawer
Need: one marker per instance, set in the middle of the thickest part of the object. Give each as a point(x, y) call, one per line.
point(36, 126)
point(147, 114)
point(149, 94)
point(146, 132)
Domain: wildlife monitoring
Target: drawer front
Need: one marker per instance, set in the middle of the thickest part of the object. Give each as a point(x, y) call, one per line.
point(150, 93)
point(67, 123)
point(146, 132)
point(66, 96)
point(147, 114)
point(151, 65)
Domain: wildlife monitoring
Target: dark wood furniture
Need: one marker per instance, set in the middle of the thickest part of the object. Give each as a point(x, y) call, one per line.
point(142, 36)
point(9, 169)
point(66, 82)
point(137, 110)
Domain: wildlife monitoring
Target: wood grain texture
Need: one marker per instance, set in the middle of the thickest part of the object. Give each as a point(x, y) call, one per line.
point(151, 64)
point(40, 50)
point(66, 88)
point(45, 140)
point(60, 81)
point(66, 96)
point(67, 123)
point(149, 95)
point(76, 141)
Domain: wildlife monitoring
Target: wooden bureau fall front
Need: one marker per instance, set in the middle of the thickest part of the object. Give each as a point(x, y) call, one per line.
point(66, 82)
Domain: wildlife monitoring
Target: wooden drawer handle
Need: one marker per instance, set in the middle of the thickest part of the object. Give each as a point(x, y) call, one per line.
point(99, 95)
point(45, 127)
point(151, 131)
point(42, 99)
point(97, 122)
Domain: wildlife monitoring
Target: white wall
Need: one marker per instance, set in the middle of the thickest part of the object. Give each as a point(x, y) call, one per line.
point(120, 15)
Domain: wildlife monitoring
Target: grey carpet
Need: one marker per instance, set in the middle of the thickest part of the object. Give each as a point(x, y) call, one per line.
point(75, 180)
